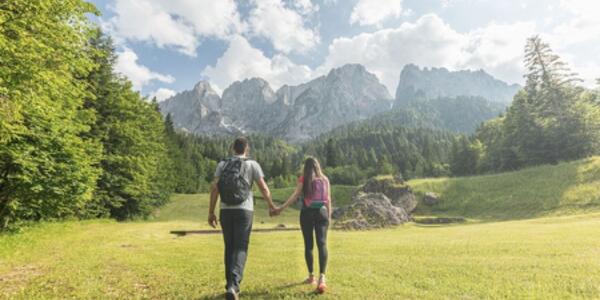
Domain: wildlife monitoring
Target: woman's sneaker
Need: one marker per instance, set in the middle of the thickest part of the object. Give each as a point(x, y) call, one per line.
point(322, 286)
point(310, 280)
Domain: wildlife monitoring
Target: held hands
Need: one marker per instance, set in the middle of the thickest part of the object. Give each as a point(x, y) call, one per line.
point(275, 211)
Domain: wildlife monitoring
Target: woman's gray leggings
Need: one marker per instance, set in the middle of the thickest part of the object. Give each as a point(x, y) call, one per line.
point(317, 220)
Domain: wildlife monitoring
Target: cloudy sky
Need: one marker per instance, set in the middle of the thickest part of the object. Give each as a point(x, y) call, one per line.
point(167, 46)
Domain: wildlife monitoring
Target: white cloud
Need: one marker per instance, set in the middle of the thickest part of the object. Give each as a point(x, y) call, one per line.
point(583, 26)
point(283, 27)
point(577, 39)
point(241, 61)
point(162, 94)
point(305, 7)
point(141, 20)
point(177, 23)
point(139, 75)
point(430, 41)
point(207, 17)
point(373, 12)
point(182, 24)
point(498, 49)
point(427, 42)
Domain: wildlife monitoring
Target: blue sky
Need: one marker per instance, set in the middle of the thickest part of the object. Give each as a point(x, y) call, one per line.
point(167, 46)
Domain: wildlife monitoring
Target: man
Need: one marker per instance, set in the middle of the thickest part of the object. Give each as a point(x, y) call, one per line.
point(233, 182)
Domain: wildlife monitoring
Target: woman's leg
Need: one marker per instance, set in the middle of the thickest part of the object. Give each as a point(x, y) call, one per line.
point(321, 227)
point(306, 224)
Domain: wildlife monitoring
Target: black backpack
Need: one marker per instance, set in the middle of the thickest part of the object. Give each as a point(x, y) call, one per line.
point(233, 187)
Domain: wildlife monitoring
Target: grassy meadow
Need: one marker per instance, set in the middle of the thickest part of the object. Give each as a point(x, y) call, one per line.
point(533, 235)
point(550, 190)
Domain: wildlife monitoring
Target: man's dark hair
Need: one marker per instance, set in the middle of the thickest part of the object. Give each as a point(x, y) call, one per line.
point(240, 145)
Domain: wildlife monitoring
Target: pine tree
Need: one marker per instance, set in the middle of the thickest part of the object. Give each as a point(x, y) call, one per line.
point(134, 163)
point(550, 91)
point(331, 149)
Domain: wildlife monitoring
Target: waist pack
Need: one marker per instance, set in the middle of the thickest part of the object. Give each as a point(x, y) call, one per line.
point(233, 186)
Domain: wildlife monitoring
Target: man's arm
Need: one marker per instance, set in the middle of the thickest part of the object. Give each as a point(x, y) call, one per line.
point(214, 194)
point(266, 193)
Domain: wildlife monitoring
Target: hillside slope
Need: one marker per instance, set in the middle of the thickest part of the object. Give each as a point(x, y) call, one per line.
point(566, 188)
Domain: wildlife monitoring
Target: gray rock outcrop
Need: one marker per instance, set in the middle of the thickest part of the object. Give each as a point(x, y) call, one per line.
point(398, 192)
point(431, 198)
point(368, 211)
point(381, 202)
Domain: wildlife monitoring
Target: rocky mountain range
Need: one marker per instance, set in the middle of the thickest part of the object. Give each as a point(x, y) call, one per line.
point(295, 113)
point(440, 82)
point(346, 94)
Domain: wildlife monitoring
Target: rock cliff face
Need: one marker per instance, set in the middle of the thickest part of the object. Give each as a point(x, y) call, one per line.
point(439, 82)
point(197, 111)
point(346, 94)
point(295, 113)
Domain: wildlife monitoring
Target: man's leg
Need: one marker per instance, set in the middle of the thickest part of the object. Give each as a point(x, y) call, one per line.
point(226, 220)
point(241, 238)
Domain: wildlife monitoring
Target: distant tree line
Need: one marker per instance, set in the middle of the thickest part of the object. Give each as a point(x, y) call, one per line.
point(194, 158)
point(349, 154)
point(551, 119)
point(355, 152)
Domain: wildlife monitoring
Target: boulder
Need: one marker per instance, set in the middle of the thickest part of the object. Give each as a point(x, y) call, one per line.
point(431, 198)
point(369, 210)
point(396, 190)
point(337, 212)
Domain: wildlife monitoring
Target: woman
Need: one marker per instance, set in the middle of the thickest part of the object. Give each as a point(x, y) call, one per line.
point(313, 186)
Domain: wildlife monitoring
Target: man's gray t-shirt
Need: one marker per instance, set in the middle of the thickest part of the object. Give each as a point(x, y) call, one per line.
point(252, 173)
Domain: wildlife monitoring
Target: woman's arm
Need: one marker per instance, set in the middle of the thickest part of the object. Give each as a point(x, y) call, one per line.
point(329, 197)
point(293, 197)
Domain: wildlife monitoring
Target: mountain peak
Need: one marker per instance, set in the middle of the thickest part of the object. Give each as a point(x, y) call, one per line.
point(348, 70)
point(204, 87)
point(250, 82)
point(440, 82)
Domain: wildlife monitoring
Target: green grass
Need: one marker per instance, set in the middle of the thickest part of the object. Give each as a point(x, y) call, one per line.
point(563, 189)
point(191, 211)
point(555, 256)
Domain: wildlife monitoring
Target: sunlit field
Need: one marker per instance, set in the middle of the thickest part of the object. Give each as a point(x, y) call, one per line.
point(491, 256)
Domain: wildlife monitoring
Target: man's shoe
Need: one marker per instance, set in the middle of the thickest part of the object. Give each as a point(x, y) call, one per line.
point(231, 294)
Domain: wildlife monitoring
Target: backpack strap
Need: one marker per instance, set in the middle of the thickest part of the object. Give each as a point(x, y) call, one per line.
point(228, 164)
